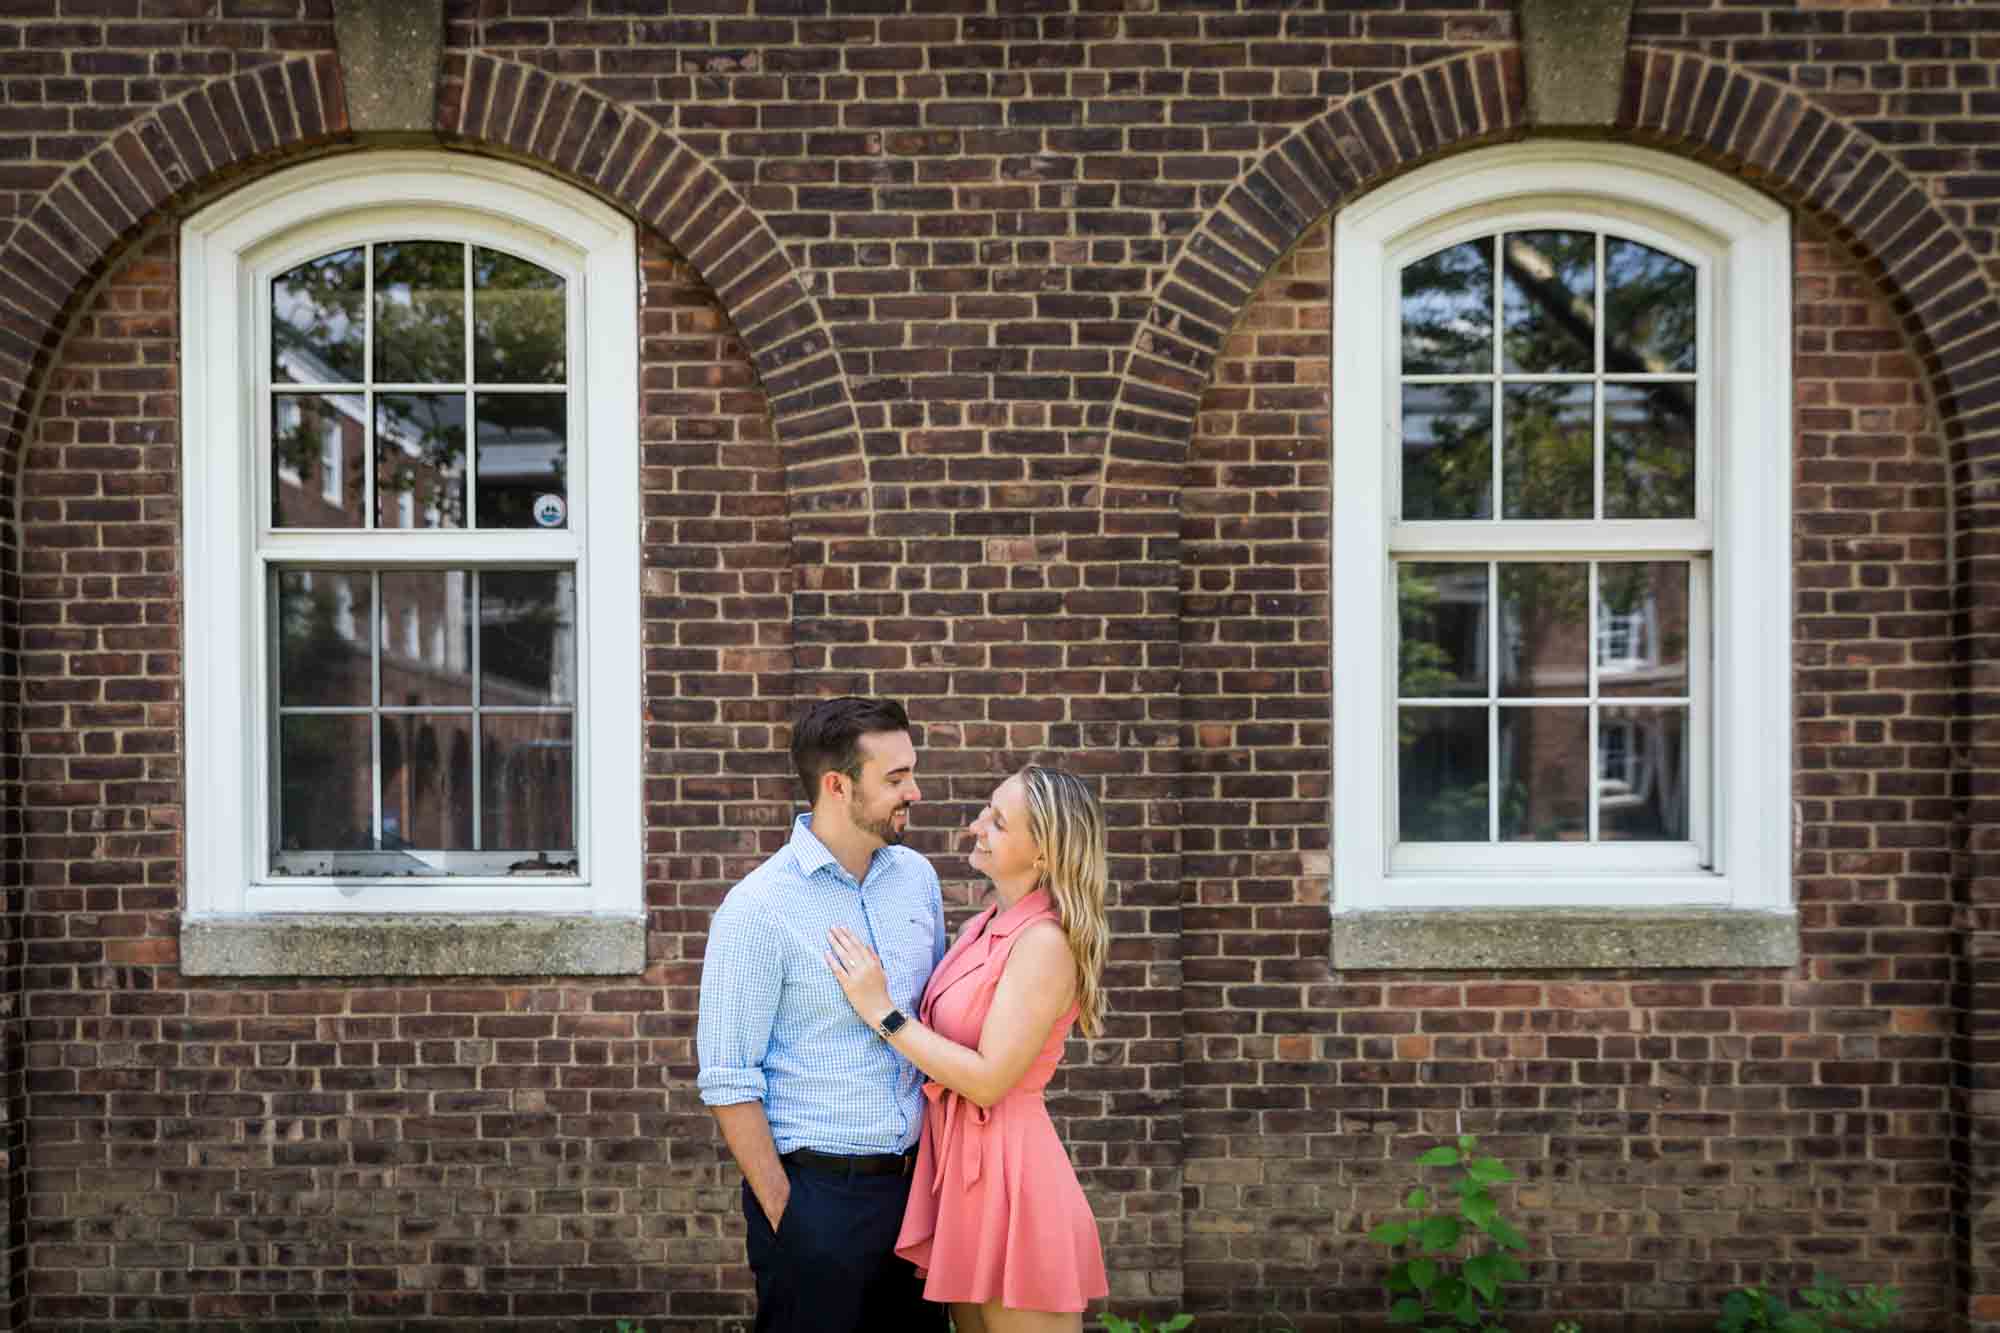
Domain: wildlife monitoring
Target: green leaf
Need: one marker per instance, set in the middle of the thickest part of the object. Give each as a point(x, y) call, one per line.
point(1423, 1273)
point(1510, 1268)
point(1482, 1273)
point(1450, 1293)
point(1480, 1210)
point(1406, 1311)
point(1417, 1198)
point(1390, 1233)
point(1111, 1323)
point(1468, 1142)
point(1506, 1235)
point(1438, 1233)
point(1489, 1170)
point(1177, 1323)
point(1439, 1156)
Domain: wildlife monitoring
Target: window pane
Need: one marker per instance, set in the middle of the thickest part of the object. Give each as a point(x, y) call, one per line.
point(1447, 451)
point(1544, 774)
point(1642, 628)
point(426, 638)
point(317, 444)
point(323, 618)
point(1441, 775)
point(318, 333)
point(420, 460)
point(527, 791)
point(1642, 791)
point(1649, 450)
point(420, 312)
point(527, 637)
point(1442, 652)
point(1549, 301)
point(427, 781)
point(325, 789)
point(523, 460)
point(1448, 311)
point(517, 321)
point(1648, 310)
point(1544, 630)
point(1547, 467)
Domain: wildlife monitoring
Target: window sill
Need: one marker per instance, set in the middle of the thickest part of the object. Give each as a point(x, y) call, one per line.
point(1485, 939)
point(334, 944)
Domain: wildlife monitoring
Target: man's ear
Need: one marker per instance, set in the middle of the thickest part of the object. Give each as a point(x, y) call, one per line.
point(831, 783)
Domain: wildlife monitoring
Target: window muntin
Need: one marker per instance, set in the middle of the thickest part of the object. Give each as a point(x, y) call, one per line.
point(1584, 359)
point(379, 763)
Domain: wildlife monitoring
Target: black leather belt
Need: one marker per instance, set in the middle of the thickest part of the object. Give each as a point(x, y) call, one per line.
point(868, 1164)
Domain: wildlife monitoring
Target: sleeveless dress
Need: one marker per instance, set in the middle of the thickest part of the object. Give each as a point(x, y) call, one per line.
point(995, 1210)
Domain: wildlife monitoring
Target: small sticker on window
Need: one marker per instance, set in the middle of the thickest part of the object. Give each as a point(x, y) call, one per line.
point(550, 510)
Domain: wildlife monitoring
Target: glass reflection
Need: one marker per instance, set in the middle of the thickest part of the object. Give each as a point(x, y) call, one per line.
point(527, 787)
point(420, 312)
point(523, 460)
point(420, 460)
point(427, 781)
point(1447, 451)
point(1441, 775)
point(518, 321)
point(1447, 316)
point(326, 791)
point(1642, 791)
point(426, 638)
point(527, 637)
point(323, 618)
point(1548, 301)
point(1649, 469)
point(1642, 628)
point(1546, 471)
point(1649, 313)
point(317, 460)
point(1442, 651)
point(318, 331)
point(1544, 630)
point(1544, 774)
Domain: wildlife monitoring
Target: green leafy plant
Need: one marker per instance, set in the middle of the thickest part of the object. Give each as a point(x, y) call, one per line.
point(1829, 1308)
point(1435, 1282)
point(1111, 1323)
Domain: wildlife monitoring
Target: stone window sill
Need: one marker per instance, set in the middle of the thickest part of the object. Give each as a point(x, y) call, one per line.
point(1485, 939)
point(334, 944)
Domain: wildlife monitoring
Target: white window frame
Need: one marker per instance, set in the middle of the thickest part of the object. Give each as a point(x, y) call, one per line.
point(230, 251)
point(1741, 243)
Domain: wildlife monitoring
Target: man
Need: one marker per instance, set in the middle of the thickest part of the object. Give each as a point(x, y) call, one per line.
point(819, 1112)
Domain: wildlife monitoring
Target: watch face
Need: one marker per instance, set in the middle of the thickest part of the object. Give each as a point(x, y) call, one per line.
point(892, 1021)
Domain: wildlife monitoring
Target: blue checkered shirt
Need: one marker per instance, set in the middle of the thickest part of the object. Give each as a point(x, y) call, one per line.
point(774, 1025)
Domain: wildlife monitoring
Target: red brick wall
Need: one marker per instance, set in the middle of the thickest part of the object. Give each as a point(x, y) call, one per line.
point(1026, 241)
point(211, 1151)
point(1678, 1133)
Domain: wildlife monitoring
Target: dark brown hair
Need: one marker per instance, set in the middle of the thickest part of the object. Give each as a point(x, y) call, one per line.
point(828, 738)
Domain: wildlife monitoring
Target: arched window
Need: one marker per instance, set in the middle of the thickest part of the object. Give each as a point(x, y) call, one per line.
point(411, 402)
point(1562, 536)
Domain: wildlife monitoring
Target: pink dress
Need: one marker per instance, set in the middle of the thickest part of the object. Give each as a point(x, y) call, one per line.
point(995, 1211)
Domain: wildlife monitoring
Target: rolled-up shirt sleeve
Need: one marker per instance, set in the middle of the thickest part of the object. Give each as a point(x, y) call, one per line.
point(741, 978)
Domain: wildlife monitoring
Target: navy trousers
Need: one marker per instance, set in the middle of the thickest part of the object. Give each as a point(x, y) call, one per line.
point(832, 1266)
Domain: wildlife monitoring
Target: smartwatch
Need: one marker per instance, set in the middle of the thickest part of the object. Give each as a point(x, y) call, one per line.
point(892, 1023)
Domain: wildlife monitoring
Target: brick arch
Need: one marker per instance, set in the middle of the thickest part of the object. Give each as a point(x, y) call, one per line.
point(230, 126)
point(1771, 133)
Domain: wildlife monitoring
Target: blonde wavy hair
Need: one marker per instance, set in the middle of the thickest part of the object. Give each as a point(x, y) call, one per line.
point(1067, 823)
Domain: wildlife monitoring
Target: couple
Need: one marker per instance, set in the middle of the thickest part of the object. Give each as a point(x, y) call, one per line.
point(821, 1066)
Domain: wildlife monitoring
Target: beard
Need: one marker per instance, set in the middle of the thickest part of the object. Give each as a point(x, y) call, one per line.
point(883, 828)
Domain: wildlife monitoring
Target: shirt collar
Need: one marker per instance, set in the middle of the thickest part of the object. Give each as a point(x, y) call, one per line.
point(811, 855)
point(1007, 920)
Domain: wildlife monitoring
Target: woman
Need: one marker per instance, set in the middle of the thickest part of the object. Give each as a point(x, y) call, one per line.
point(997, 1222)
